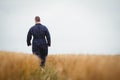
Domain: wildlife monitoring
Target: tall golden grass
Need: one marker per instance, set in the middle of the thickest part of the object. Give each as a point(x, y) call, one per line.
point(86, 67)
point(18, 66)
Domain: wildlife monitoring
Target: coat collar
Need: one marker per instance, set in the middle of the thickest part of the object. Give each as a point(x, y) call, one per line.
point(38, 24)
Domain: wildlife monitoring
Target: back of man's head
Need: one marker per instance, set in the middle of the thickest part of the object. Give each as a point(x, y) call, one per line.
point(37, 19)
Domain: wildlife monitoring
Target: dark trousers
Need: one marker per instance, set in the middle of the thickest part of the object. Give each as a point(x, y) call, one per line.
point(42, 53)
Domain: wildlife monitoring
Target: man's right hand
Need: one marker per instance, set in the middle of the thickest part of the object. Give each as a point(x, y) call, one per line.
point(29, 44)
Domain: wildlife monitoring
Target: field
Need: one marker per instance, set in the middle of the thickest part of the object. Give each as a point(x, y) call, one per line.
point(20, 66)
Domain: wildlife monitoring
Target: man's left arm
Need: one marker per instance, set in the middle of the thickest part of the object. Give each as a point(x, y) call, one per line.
point(48, 37)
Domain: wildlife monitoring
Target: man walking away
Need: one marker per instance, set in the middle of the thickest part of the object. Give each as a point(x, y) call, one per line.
point(41, 40)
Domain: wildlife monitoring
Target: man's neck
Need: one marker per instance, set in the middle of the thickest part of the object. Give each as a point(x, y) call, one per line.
point(37, 22)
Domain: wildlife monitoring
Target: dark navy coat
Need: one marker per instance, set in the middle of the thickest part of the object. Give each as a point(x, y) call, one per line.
point(41, 36)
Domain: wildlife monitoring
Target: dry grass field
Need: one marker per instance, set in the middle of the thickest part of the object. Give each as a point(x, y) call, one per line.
point(86, 67)
point(19, 66)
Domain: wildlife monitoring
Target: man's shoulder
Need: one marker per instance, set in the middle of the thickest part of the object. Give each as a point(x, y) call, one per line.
point(43, 26)
point(32, 26)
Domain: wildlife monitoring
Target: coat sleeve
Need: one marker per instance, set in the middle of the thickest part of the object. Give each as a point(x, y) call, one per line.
point(48, 37)
point(29, 37)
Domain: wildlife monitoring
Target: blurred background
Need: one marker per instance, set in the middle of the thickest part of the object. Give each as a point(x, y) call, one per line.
point(76, 26)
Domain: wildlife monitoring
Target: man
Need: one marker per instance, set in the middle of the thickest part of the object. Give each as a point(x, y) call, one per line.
point(41, 40)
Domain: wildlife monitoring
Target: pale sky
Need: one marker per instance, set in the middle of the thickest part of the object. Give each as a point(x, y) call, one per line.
point(76, 26)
